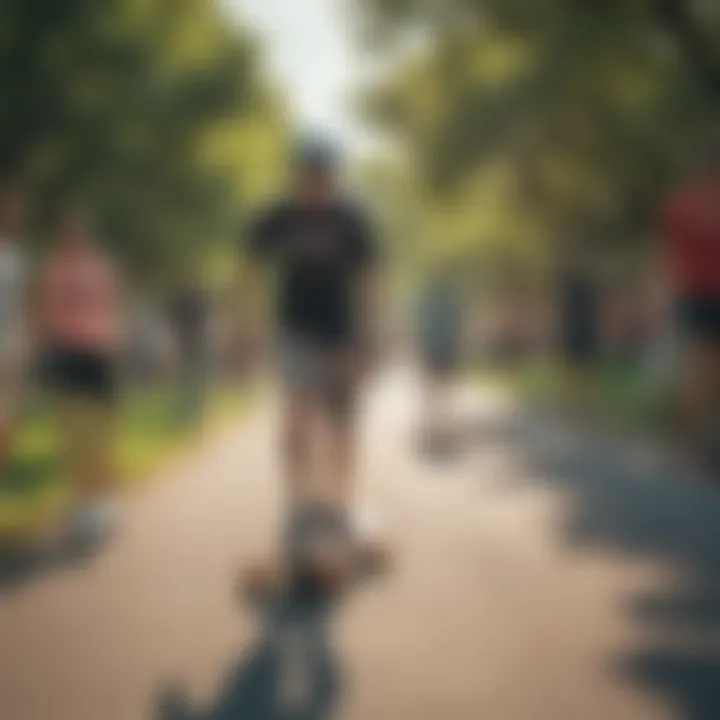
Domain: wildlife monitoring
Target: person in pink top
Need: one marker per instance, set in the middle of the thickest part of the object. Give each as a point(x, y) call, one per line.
point(78, 321)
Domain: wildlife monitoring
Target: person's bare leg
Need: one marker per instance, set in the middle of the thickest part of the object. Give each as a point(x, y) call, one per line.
point(264, 577)
point(365, 547)
point(8, 406)
point(339, 448)
point(713, 402)
point(101, 468)
point(6, 432)
point(340, 455)
point(76, 421)
point(298, 425)
point(697, 397)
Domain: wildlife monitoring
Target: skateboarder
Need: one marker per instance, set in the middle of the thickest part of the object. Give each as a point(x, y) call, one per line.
point(326, 255)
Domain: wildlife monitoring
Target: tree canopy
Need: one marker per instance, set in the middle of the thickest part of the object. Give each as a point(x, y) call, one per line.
point(153, 112)
point(531, 123)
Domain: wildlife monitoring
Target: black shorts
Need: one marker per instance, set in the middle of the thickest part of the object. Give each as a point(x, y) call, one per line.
point(699, 318)
point(81, 372)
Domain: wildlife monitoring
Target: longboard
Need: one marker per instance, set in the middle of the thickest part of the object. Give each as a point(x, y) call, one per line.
point(316, 561)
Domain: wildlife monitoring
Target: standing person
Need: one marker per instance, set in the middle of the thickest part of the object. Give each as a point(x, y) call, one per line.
point(579, 325)
point(13, 307)
point(79, 326)
point(440, 327)
point(327, 259)
point(189, 316)
point(690, 227)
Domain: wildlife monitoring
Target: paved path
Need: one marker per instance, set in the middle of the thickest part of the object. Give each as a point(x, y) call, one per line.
point(542, 575)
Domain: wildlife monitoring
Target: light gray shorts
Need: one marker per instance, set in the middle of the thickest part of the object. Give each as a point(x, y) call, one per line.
point(308, 368)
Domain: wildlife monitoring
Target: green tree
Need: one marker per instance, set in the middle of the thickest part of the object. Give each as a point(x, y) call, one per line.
point(560, 119)
point(144, 109)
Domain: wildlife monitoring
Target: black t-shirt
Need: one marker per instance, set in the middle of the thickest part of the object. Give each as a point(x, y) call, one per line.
point(321, 252)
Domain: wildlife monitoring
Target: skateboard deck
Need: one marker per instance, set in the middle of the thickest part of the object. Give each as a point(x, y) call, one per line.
point(319, 558)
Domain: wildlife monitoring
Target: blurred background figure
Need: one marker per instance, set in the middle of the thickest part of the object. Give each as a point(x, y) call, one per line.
point(691, 233)
point(189, 317)
point(80, 334)
point(149, 344)
point(13, 307)
point(579, 325)
point(440, 335)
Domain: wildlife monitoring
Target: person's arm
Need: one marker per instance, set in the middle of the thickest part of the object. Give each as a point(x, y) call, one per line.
point(245, 305)
point(371, 291)
point(257, 246)
point(372, 302)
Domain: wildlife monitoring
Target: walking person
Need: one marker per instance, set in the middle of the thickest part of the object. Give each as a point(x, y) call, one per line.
point(79, 327)
point(690, 227)
point(189, 311)
point(579, 310)
point(440, 329)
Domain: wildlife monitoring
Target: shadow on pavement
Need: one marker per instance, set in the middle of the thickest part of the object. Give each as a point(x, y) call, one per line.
point(289, 674)
point(628, 499)
point(19, 565)
point(23, 564)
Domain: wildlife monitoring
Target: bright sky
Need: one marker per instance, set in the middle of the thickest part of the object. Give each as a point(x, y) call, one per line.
point(312, 54)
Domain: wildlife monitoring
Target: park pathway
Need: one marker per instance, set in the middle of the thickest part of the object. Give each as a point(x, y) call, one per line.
point(543, 574)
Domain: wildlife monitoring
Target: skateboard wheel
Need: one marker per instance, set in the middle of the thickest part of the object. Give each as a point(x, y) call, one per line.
point(259, 580)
